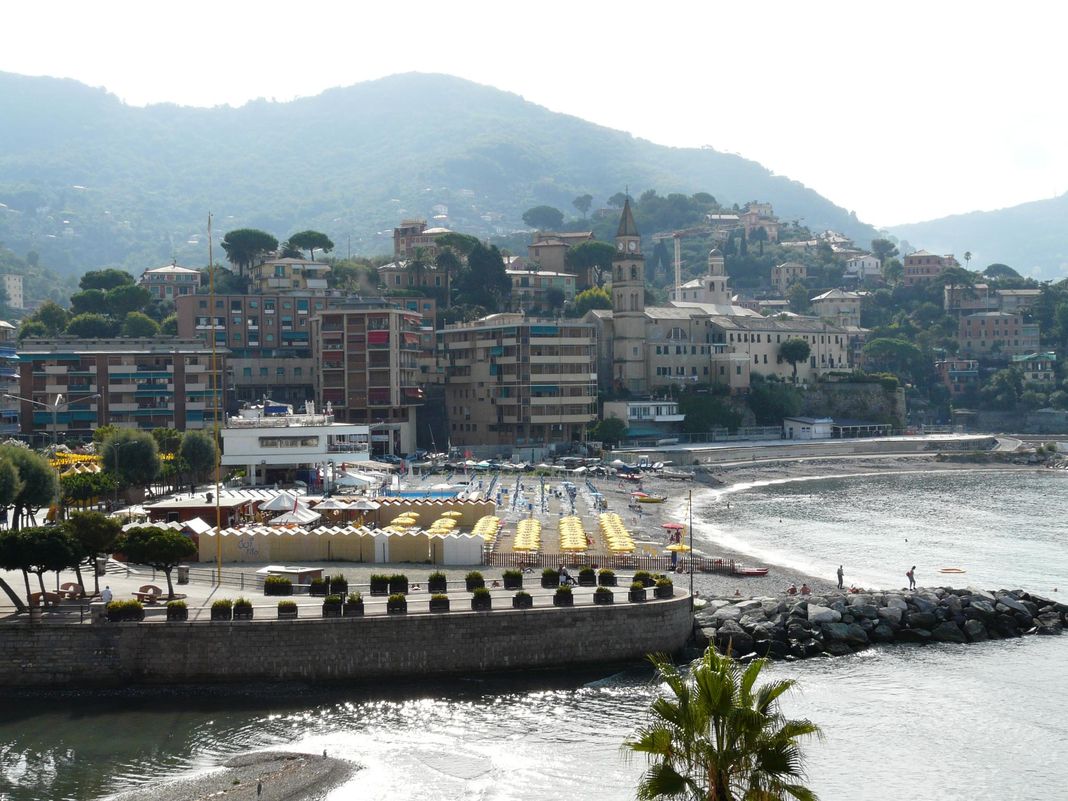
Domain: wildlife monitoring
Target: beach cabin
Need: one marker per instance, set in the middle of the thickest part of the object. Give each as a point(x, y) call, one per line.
point(807, 427)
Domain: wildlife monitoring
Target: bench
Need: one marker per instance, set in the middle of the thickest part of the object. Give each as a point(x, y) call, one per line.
point(148, 594)
point(71, 590)
point(50, 599)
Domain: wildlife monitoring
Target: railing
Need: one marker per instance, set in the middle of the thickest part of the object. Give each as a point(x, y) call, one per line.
point(702, 564)
point(229, 578)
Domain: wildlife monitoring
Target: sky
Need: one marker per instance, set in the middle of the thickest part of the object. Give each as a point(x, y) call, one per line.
point(900, 111)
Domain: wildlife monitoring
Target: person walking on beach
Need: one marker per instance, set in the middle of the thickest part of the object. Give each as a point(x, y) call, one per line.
point(841, 575)
point(912, 577)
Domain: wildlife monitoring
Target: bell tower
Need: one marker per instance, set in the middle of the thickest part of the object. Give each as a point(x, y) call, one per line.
point(628, 307)
point(719, 287)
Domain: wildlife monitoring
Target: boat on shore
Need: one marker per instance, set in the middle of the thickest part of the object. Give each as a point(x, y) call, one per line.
point(750, 571)
point(651, 498)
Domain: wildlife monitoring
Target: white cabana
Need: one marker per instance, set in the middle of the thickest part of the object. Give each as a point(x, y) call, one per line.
point(302, 515)
point(364, 505)
point(458, 549)
point(281, 502)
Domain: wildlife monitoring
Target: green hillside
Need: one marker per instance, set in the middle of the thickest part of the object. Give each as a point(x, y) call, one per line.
point(1030, 237)
point(87, 181)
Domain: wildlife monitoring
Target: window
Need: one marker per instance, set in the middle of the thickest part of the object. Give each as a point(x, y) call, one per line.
point(263, 372)
point(246, 372)
point(298, 372)
point(280, 371)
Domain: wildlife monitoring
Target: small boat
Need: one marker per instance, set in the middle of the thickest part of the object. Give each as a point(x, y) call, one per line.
point(750, 571)
point(952, 570)
point(652, 499)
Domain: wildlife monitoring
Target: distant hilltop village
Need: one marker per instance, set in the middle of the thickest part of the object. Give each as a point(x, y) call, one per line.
point(745, 323)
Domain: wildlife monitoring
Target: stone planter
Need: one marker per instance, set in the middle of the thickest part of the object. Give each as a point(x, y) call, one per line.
point(318, 590)
point(473, 584)
point(588, 580)
point(513, 582)
point(647, 581)
point(379, 586)
point(522, 602)
point(481, 604)
point(439, 604)
point(226, 614)
point(603, 598)
point(353, 610)
point(177, 614)
point(665, 592)
point(331, 610)
point(339, 588)
point(563, 599)
point(397, 607)
point(437, 586)
point(288, 614)
point(636, 596)
point(606, 581)
point(243, 613)
point(550, 582)
point(396, 587)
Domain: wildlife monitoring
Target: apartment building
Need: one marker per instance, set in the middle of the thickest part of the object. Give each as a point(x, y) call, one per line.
point(515, 380)
point(401, 275)
point(16, 298)
point(530, 288)
point(366, 357)
point(921, 266)
point(170, 281)
point(549, 249)
point(1039, 366)
point(413, 235)
point(840, 307)
point(9, 379)
point(787, 273)
point(655, 417)
point(159, 382)
point(289, 275)
point(996, 335)
point(760, 215)
point(958, 375)
point(864, 267)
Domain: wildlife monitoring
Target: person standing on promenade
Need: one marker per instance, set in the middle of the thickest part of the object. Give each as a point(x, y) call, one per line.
point(841, 575)
point(912, 577)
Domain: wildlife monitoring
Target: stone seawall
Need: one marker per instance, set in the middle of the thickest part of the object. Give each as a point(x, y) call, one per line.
point(840, 623)
point(118, 654)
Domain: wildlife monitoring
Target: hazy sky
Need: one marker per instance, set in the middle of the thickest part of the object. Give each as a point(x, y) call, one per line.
point(900, 111)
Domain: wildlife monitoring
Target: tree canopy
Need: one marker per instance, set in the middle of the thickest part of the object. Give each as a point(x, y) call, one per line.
point(37, 481)
point(198, 451)
point(593, 259)
point(484, 282)
point(132, 457)
point(244, 245)
point(105, 279)
point(95, 532)
point(609, 430)
point(139, 324)
point(311, 241)
point(160, 548)
point(543, 218)
point(593, 298)
point(90, 326)
point(795, 350)
point(583, 203)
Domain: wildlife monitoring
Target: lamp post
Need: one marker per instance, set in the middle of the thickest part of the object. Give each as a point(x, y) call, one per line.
point(54, 408)
point(117, 448)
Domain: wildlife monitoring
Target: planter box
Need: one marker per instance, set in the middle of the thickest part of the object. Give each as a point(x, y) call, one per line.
point(331, 610)
point(550, 583)
point(379, 588)
point(647, 582)
point(398, 587)
point(524, 602)
point(606, 581)
point(124, 617)
point(243, 613)
point(474, 584)
point(340, 588)
point(636, 596)
point(318, 590)
point(394, 608)
point(481, 604)
point(513, 582)
point(437, 586)
point(603, 598)
point(288, 614)
point(177, 615)
point(354, 610)
point(665, 592)
point(563, 600)
point(440, 605)
point(222, 614)
point(587, 581)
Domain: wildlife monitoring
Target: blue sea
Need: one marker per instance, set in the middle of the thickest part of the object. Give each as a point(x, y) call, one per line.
point(942, 722)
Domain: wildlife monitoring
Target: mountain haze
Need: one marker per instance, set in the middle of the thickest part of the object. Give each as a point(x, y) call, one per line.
point(89, 181)
point(1031, 237)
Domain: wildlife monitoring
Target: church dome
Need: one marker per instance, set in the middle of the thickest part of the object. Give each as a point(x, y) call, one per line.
point(715, 253)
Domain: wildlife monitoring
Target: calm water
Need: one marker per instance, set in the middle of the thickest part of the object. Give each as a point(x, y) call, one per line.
point(952, 722)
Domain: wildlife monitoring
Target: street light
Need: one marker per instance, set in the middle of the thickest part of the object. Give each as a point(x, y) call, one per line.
point(54, 407)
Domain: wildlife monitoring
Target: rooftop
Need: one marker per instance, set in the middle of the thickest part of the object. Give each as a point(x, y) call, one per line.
point(117, 345)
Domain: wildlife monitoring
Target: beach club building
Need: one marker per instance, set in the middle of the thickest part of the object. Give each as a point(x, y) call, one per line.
point(807, 427)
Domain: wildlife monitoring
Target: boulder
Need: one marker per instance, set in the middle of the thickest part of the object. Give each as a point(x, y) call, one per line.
point(746, 606)
point(923, 620)
point(1006, 626)
point(773, 649)
point(731, 636)
point(1050, 623)
point(835, 648)
point(796, 631)
point(861, 600)
point(948, 632)
point(982, 607)
point(768, 631)
point(821, 614)
point(812, 647)
point(849, 633)
point(983, 594)
point(975, 630)
point(882, 633)
point(923, 604)
point(1024, 620)
point(772, 606)
point(704, 636)
point(1007, 602)
point(727, 613)
point(891, 615)
point(914, 635)
point(717, 603)
point(870, 611)
point(896, 602)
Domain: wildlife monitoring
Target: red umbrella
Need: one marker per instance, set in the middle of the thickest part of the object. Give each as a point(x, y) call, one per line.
point(673, 526)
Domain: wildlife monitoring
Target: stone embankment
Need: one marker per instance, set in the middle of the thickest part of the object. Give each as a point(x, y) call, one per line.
point(840, 623)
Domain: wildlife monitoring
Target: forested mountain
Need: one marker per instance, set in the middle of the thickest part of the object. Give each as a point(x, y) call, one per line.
point(1030, 237)
point(88, 181)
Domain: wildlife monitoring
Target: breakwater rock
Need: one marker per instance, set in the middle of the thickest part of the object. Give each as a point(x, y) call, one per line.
point(839, 623)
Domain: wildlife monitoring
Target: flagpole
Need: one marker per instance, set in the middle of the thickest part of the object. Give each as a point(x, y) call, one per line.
point(690, 504)
point(215, 407)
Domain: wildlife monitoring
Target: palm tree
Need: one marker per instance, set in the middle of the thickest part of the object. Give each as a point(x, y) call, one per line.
point(718, 737)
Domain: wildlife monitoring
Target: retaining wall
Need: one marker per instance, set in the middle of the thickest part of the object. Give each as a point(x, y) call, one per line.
point(118, 654)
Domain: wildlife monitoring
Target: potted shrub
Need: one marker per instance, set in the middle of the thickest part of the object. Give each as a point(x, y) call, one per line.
point(587, 577)
point(607, 578)
point(125, 611)
point(563, 596)
point(318, 587)
point(603, 595)
point(665, 588)
point(397, 604)
point(398, 584)
point(645, 578)
point(332, 606)
point(277, 585)
point(513, 579)
point(481, 601)
point(439, 602)
point(177, 611)
point(379, 584)
point(550, 578)
point(353, 605)
point(339, 585)
point(474, 580)
point(637, 592)
point(437, 583)
point(522, 600)
point(287, 610)
point(223, 609)
point(242, 609)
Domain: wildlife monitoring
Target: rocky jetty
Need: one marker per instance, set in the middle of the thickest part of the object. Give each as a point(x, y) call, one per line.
point(838, 623)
